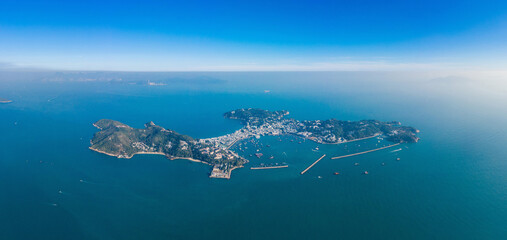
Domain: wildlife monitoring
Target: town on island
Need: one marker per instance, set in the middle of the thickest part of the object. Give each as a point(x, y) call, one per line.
point(122, 141)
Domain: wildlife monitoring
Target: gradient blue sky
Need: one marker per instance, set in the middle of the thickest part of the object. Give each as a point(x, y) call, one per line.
point(253, 35)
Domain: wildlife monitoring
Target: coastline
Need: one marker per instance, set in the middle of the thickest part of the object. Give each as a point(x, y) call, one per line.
point(126, 157)
point(95, 125)
point(227, 176)
point(296, 135)
point(347, 141)
point(154, 153)
point(189, 159)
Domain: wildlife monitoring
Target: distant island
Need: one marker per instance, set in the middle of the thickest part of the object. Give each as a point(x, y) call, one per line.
point(122, 141)
point(3, 100)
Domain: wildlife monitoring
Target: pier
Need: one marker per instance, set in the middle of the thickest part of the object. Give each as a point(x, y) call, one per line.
point(359, 153)
point(313, 164)
point(271, 167)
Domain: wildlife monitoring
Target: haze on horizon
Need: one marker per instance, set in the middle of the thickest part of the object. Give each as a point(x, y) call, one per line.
point(254, 36)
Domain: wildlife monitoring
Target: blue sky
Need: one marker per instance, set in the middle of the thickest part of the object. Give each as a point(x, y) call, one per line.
point(253, 35)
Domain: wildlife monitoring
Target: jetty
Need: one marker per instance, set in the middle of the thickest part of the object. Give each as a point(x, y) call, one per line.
point(270, 167)
point(359, 153)
point(313, 164)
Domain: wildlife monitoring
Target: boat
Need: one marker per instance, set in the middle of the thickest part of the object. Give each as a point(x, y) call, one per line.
point(365, 172)
point(383, 164)
point(271, 157)
point(336, 173)
point(397, 159)
point(356, 164)
point(319, 177)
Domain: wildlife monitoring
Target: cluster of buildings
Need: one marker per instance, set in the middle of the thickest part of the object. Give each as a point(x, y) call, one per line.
point(218, 147)
point(272, 128)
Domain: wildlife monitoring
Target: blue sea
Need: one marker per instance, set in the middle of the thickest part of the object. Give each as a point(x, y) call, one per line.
point(452, 184)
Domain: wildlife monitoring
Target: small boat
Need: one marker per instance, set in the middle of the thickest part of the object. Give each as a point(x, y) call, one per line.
point(336, 173)
point(356, 164)
point(397, 159)
point(319, 177)
point(365, 172)
point(383, 164)
point(271, 157)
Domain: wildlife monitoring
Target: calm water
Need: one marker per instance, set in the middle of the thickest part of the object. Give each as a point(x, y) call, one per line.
point(450, 185)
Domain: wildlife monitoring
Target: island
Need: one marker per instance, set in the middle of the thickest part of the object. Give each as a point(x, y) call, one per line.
point(3, 100)
point(122, 141)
